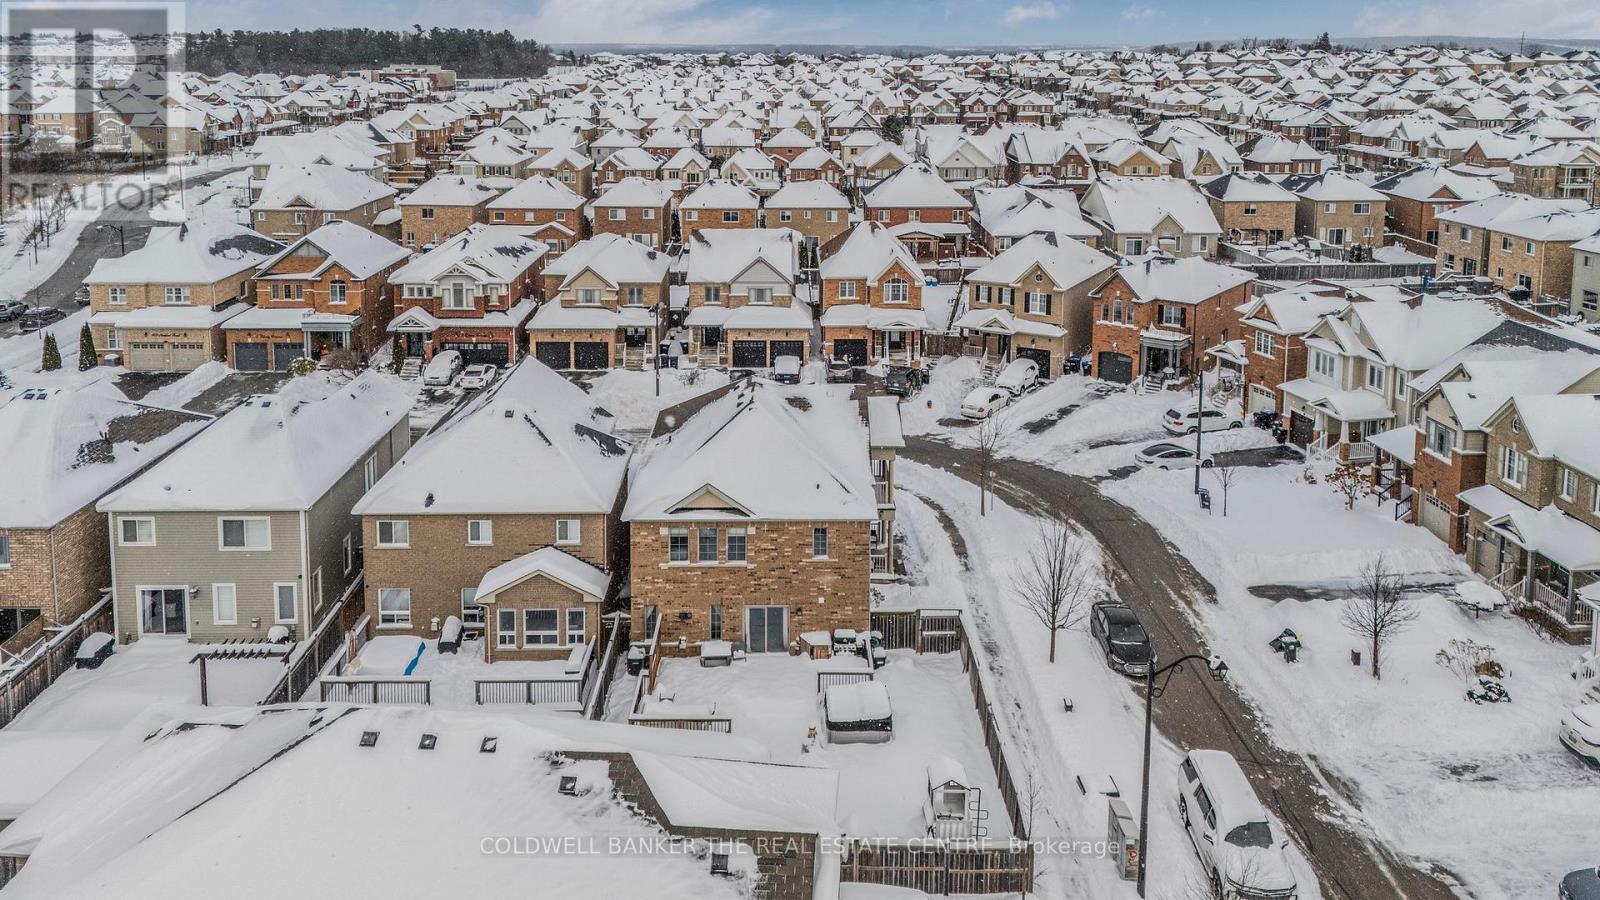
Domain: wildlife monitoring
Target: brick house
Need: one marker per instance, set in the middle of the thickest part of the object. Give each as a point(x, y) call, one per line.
point(553, 209)
point(816, 209)
point(719, 203)
point(1464, 232)
point(1161, 313)
point(568, 166)
point(473, 294)
point(1251, 209)
point(1033, 300)
point(296, 200)
point(523, 561)
point(816, 164)
point(1273, 328)
point(751, 520)
point(742, 310)
point(602, 305)
point(631, 162)
point(443, 206)
point(1138, 215)
point(1535, 253)
point(1337, 209)
point(54, 555)
point(1563, 169)
point(161, 308)
point(916, 199)
point(1417, 196)
point(1586, 279)
point(872, 300)
point(324, 292)
point(637, 208)
point(1005, 215)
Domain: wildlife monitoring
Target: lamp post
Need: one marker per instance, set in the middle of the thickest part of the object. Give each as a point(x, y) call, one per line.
point(1152, 690)
point(1199, 426)
point(122, 238)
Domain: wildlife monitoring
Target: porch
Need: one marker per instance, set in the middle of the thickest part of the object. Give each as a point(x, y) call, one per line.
point(1331, 423)
point(1541, 559)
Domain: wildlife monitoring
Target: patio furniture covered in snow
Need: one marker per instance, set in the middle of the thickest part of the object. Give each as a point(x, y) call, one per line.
point(857, 713)
point(95, 649)
point(716, 653)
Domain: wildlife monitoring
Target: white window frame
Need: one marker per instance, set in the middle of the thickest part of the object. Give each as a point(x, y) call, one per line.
point(761, 296)
point(1265, 339)
point(222, 544)
point(1513, 466)
point(897, 290)
point(583, 625)
point(553, 633)
point(847, 290)
point(405, 526)
point(122, 534)
point(1567, 484)
point(277, 597)
point(1434, 429)
point(347, 549)
point(587, 297)
point(175, 296)
point(672, 536)
point(394, 618)
point(819, 540)
point(217, 618)
point(503, 636)
point(1037, 303)
point(573, 529)
point(472, 612)
point(118, 296)
point(744, 545)
point(485, 532)
point(1375, 377)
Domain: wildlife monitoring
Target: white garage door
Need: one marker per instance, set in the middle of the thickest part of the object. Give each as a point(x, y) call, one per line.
point(1434, 515)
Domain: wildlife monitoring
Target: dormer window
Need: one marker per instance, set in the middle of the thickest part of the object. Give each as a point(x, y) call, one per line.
point(458, 296)
point(588, 297)
point(761, 296)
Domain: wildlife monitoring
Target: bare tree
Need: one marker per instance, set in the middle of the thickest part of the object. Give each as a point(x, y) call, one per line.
point(1351, 481)
point(990, 439)
point(1379, 610)
point(1057, 580)
point(1224, 476)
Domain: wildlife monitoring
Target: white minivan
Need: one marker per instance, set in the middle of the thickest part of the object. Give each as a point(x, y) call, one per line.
point(1018, 377)
point(442, 369)
point(1239, 846)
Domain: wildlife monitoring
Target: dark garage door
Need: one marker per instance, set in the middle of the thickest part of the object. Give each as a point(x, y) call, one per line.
point(493, 353)
point(1300, 426)
point(590, 354)
point(283, 354)
point(555, 354)
point(250, 357)
point(852, 349)
point(789, 348)
point(1116, 367)
point(1042, 357)
point(749, 354)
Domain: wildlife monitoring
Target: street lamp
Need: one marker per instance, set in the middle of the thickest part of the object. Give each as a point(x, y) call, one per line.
point(122, 239)
point(1152, 690)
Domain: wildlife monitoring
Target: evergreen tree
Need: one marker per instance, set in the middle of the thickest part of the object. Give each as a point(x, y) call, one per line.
point(397, 356)
point(52, 354)
point(894, 128)
point(86, 356)
point(1323, 42)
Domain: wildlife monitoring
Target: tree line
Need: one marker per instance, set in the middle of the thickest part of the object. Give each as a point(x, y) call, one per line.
point(470, 52)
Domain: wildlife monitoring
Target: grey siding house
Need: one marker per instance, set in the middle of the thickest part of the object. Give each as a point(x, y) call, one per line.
point(249, 525)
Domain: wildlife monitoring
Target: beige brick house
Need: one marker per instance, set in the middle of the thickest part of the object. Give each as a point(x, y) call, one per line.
point(742, 309)
point(751, 520)
point(442, 207)
point(1033, 300)
point(718, 204)
point(295, 200)
point(1337, 209)
point(552, 209)
point(872, 300)
point(603, 306)
point(1251, 208)
point(471, 294)
point(1535, 253)
point(816, 209)
point(522, 560)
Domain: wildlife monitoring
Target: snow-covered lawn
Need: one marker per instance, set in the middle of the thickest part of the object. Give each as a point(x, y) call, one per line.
point(631, 396)
point(773, 700)
point(1485, 792)
point(453, 674)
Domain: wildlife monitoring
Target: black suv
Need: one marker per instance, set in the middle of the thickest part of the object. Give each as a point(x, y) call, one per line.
point(902, 382)
point(1124, 640)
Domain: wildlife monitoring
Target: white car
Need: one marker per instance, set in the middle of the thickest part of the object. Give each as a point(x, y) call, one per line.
point(1187, 420)
point(1241, 850)
point(442, 369)
point(1580, 732)
point(786, 369)
point(980, 403)
point(1018, 377)
point(478, 376)
point(1167, 455)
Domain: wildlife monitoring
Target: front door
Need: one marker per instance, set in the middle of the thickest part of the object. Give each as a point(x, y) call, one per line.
point(711, 336)
point(416, 344)
point(765, 629)
point(165, 610)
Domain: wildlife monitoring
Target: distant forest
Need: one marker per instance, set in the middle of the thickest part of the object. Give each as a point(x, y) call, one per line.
point(471, 52)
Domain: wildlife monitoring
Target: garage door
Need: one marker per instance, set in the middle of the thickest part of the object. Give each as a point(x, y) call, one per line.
point(853, 350)
point(750, 354)
point(1116, 367)
point(1435, 516)
point(789, 348)
point(284, 354)
point(1300, 429)
point(555, 354)
point(591, 354)
point(250, 357)
point(1042, 357)
point(494, 353)
point(188, 356)
point(147, 356)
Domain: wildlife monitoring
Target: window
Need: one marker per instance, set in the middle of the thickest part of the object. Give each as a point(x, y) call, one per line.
point(348, 554)
point(716, 622)
point(636, 296)
point(832, 216)
point(285, 599)
point(245, 534)
point(1505, 242)
point(615, 214)
point(176, 296)
point(1513, 467)
point(1569, 484)
point(713, 294)
point(1201, 243)
point(1362, 209)
point(394, 533)
point(1133, 246)
point(5, 552)
point(569, 531)
point(707, 549)
point(1590, 301)
point(539, 627)
point(691, 215)
point(1263, 342)
point(1172, 314)
point(1594, 499)
point(1439, 439)
point(1249, 209)
point(426, 212)
point(761, 296)
point(1375, 377)
point(394, 606)
point(730, 216)
point(588, 296)
point(785, 215)
point(457, 296)
point(576, 634)
point(678, 546)
point(480, 531)
point(1527, 248)
point(819, 543)
point(847, 290)
point(505, 628)
point(736, 545)
point(897, 290)
point(137, 532)
point(369, 471)
point(649, 214)
point(1329, 207)
point(1038, 303)
point(224, 604)
point(471, 609)
point(337, 291)
point(119, 295)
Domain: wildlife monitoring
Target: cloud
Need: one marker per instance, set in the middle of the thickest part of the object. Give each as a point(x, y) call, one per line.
point(1138, 13)
point(1027, 12)
point(1484, 18)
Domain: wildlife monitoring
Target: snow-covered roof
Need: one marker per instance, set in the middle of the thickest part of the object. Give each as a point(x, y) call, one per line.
point(814, 194)
point(1136, 205)
point(613, 257)
point(493, 253)
point(635, 191)
point(185, 254)
point(319, 187)
point(273, 452)
point(720, 193)
point(362, 252)
point(868, 252)
point(453, 190)
point(538, 192)
point(916, 187)
point(721, 255)
point(1188, 279)
point(1064, 261)
point(551, 562)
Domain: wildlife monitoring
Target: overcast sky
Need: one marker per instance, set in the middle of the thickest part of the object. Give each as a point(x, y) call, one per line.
point(935, 22)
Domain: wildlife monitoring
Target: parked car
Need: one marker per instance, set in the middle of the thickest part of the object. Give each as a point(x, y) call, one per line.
point(1580, 732)
point(38, 317)
point(786, 370)
point(1123, 640)
point(1167, 455)
point(10, 309)
point(983, 402)
point(1584, 884)
point(477, 376)
point(442, 369)
point(901, 381)
point(1188, 419)
point(1242, 852)
point(81, 296)
point(841, 371)
point(1019, 376)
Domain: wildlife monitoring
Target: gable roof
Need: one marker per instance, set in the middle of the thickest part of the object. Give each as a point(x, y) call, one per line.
point(361, 252)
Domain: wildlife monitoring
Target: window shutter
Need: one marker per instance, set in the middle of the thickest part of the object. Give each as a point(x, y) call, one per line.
point(1183, 317)
point(1049, 303)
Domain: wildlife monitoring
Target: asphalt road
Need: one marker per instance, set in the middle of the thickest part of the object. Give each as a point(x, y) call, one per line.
point(1153, 578)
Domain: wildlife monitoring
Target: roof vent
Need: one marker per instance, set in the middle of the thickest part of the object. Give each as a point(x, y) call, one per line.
point(569, 785)
point(489, 745)
point(428, 742)
point(369, 739)
point(428, 500)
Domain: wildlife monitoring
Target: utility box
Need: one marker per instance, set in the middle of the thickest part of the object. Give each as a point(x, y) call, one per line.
point(1123, 835)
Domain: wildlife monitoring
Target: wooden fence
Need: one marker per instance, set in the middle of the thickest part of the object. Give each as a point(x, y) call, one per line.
point(324, 642)
point(527, 690)
point(47, 659)
point(355, 689)
point(992, 741)
point(616, 642)
point(922, 630)
point(935, 867)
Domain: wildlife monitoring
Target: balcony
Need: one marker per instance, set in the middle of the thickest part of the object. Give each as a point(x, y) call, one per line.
point(883, 493)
